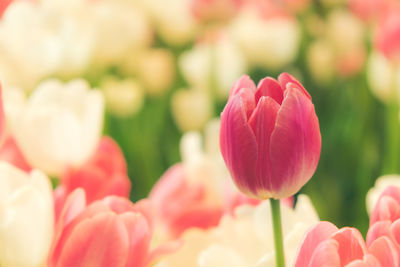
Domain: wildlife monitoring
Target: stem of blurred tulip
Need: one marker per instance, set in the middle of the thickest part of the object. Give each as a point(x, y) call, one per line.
point(391, 159)
point(277, 226)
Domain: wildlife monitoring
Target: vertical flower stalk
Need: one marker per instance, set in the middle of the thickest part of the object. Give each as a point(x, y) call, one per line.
point(270, 141)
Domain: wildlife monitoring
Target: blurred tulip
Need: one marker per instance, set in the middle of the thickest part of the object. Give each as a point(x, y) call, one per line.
point(217, 61)
point(43, 43)
point(59, 125)
point(370, 10)
point(244, 239)
point(267, 39)
point(326, 245)
point(104, 174)
point(321, 61)
point(156, 63)
point(215, 10)
point(387, 37)
point(109, 232)
point(123, 98)
point(270, 137)
point(380, 185)
point(383, 78)
point(26, 217)
point(191, 109)
point(181, 204)
point(173, 20)
point(11, 153)
point(387, 208)
point(111, 18)
point(3, 5)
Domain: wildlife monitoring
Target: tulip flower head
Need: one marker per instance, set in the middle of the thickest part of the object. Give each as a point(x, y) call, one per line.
point(270, 137)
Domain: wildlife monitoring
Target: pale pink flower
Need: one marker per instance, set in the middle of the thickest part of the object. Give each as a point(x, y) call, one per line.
point(326, 245)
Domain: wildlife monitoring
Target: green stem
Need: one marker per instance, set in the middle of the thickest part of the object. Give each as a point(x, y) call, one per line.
point(392, 139)
point(277, 226)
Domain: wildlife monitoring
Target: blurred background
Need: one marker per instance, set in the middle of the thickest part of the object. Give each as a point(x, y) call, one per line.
point(166, 68)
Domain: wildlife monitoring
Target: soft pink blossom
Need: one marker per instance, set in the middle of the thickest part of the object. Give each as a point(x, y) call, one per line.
point(326, 245)
point(181, 204)
point(11, 153)
point(109, 232)
point(270, 137)
point(387, 37)
point(104, 174)
point(208, 10)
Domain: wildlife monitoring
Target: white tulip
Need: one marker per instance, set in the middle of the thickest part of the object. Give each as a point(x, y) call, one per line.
point(267, 42)
point(383, 77)
point(191, 109)
point(26, 217)
point(380, 184)
point(59, 125)
point(222, 57)
point(245, 239)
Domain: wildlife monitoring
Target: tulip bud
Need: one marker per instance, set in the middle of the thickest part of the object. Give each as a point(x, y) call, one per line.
point(26, 217)
point(270, 137)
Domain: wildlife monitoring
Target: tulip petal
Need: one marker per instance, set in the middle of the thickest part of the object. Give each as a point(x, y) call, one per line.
point(377, 230)
point(139, 236)
point(295, 143)
point(285, 79)
point(262, 122)
point(385, 252)
point(238, 144)
point(367, 261)
point(243, 82)
point(388, 206)
point(99, 241)
point(2, 116)
point(325, 255)
point(317, 234)
point(351, 245)
point(269, 87)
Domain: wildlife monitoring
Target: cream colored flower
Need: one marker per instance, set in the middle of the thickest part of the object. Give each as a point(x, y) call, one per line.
point(120, 27)
point(245, 239)
point(383, 78)
point(267, 42)
point(44, 42)
point(59, 125)
point(173, 20)
point(222, 57)
point(191, 109)
point(123, 97)
point(26, 217)
point(380, 184)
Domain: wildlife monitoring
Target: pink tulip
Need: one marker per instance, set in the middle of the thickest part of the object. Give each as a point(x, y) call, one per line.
point(270, 137)
point(3, 6)
point(387, 208)
point(387, 38)
point(209, 10)
point(326, 245)
point(180, 204)
point(108, 232)
point(104, 174)
point(11, 153)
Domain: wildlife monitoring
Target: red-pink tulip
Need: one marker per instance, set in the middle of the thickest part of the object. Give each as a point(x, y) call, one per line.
point(326, 245)
point(11, 153)
point(104, 174)
point(387, 38)
point(208, 10)
point(270, 137)
point(108, 232)
point(180, 204)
